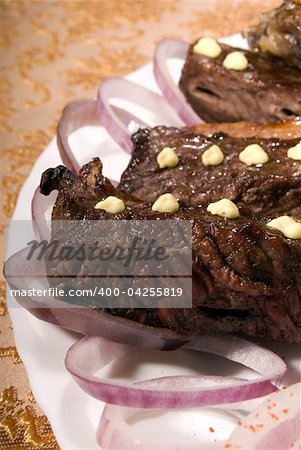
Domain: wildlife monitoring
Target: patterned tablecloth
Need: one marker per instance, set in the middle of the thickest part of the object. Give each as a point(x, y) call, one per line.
point(53, 52)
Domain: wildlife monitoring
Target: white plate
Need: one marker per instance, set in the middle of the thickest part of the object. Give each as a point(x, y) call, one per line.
point(72, 413)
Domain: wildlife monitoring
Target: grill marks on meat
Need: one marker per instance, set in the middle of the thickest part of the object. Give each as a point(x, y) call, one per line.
point(246, 278)
point(272, 189)
point(267, 91)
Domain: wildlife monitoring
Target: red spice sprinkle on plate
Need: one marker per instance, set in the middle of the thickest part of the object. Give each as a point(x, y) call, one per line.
point(285, 411)
point(211, 430)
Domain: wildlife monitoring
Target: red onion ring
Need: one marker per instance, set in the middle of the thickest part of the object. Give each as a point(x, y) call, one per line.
point(275, 424)
point(165, 50)
point(82, 320)
point(115, 431)
point(74, 116)
point(116, 120)
point(115, 124)
point(91, 354)
point(77, 115)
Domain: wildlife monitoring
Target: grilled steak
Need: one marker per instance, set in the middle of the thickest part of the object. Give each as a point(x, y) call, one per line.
point(273, 188)
point(279, 33)
point(246, 277)
point(267, 91)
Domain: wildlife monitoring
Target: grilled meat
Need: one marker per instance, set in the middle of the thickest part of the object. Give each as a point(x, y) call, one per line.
point(267, 91)
point(278, 33)
point(246, 277)
point(273, 188)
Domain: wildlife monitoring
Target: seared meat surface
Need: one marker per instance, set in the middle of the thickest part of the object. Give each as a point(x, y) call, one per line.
point(266, 91)
point(273, 188)
point(279, 33)
point(246, 277)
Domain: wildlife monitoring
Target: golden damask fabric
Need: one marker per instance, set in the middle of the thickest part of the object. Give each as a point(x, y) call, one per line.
point(52, 52)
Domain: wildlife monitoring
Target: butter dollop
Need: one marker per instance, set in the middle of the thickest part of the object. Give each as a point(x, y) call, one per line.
point(224, 208)
point(253, 154)
point(289, 227)
point(235, 61)
point(295, 152)
point(167, 158)
point(166, 203)
point(111, 204)
point(213, 156)
point(207, 46)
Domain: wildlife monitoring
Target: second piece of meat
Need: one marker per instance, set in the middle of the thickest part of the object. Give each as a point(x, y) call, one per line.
point(266, 91)
point(273, 188)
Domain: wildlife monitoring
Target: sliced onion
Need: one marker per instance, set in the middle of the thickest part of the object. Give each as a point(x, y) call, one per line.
point(117, 125)
point(83, 320)
point(275, 424)
point(74, 116)
point(77, 115)
point(115, 431)
point(119, 122)
point(39, 206)
point(165, 50)
point(91, 354)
